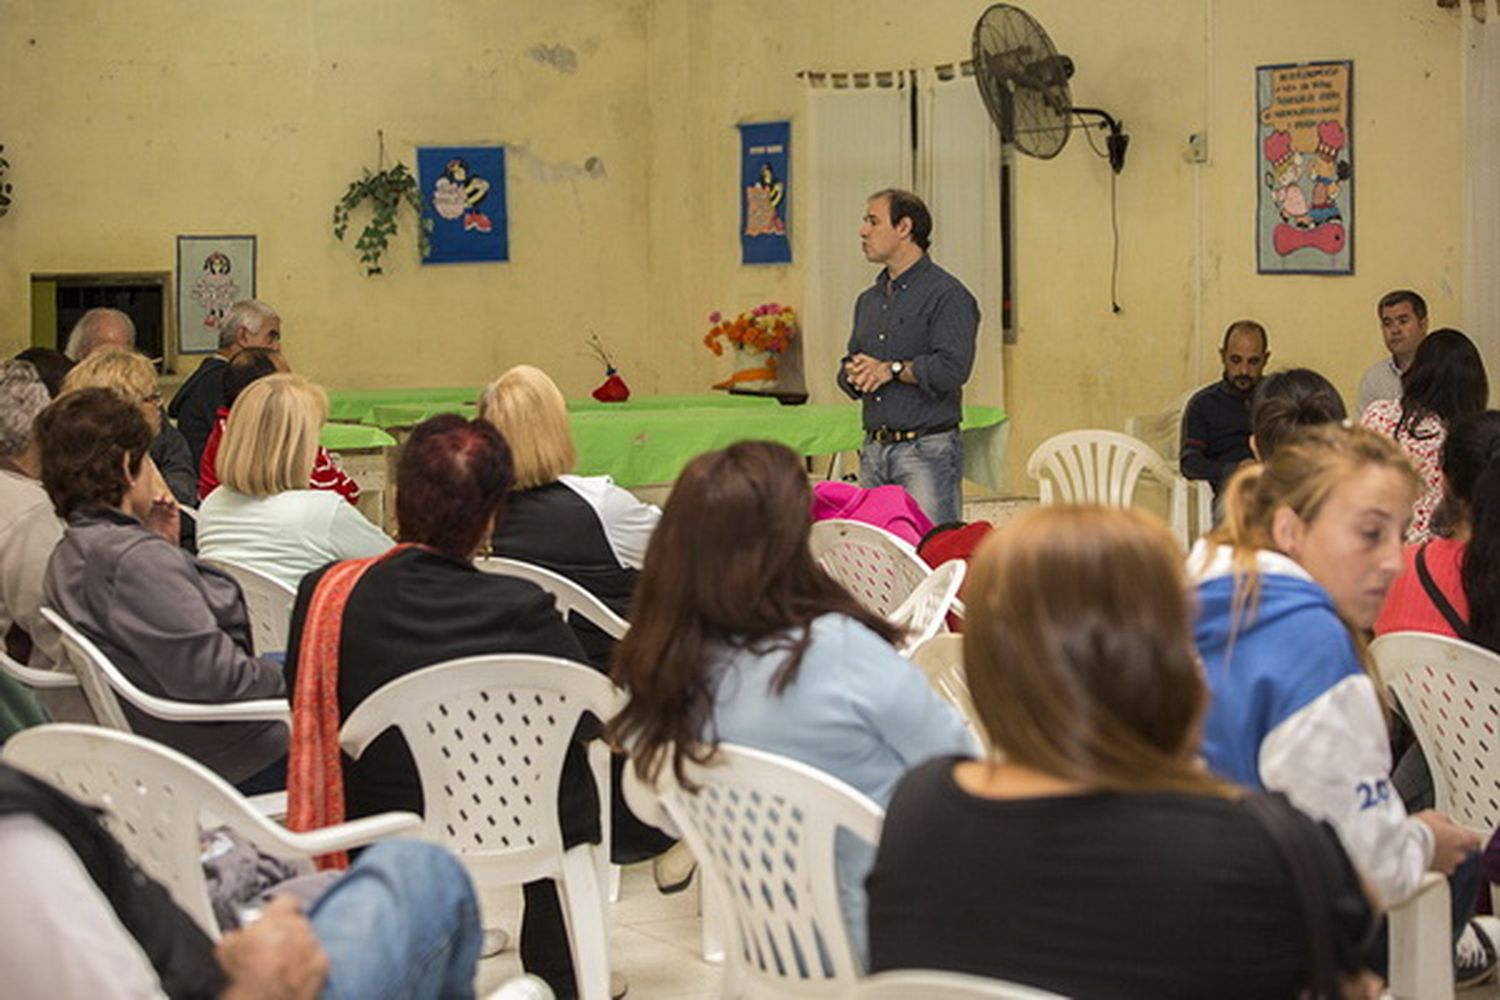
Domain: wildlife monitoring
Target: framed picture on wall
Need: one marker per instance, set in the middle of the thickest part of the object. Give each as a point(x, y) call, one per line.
point(213, 273)
point(1304, 168)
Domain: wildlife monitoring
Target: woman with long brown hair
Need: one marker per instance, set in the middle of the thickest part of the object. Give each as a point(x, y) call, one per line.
point(738, 635)
point(1091, 855)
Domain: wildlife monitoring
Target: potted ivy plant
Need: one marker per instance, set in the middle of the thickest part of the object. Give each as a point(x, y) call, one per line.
point(386, 189)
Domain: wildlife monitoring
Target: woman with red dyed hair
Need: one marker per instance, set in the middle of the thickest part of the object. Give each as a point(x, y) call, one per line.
point(422, 603)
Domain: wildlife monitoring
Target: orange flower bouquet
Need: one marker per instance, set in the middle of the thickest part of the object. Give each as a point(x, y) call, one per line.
point(766, 330)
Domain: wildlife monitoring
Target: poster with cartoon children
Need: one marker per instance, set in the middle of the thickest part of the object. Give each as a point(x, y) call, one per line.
point(213, 273)
point(1304, 172)
point(463, 194)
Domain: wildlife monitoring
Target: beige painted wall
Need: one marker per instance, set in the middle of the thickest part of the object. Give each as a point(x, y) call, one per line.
point(159, 117)
point(152, 119)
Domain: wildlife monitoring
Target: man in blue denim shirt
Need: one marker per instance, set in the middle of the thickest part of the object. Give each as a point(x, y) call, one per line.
point(910, 353)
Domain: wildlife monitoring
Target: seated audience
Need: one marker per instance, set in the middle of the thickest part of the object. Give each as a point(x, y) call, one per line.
point(172, 625)
point(1446, 381)
point(29, 531)
point(247, 323)
point(52, 366)
point(132, 376)
point(584, 527)
point(1091, 855)
point(1287, 401)
point(78, 920)
point(264, 515)
point(248, 365)
point(358, 625)
point(1308, 547)
point(1461, 595)
point(740, 636)
point(1216, 421)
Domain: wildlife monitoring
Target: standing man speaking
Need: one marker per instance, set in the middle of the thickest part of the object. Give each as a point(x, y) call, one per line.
point(909, 356)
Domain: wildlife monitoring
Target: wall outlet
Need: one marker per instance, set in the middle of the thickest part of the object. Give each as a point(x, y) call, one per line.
point(1197, 148)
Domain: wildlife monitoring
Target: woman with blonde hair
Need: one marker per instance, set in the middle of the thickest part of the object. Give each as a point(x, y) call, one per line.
point(264, 515)
point(133, 377)
point(1091, 855)
point(584, 527)
point(1289, 582)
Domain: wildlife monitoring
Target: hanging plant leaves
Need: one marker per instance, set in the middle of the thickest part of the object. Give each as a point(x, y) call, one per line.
point(386, 191)
point(5, 187)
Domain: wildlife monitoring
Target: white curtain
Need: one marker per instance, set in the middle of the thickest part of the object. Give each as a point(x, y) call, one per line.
point(958, 175)
point(1481, 44)
point(860, 141)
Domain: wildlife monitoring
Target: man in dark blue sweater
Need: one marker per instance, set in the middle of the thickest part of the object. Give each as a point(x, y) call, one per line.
point(1216, 421)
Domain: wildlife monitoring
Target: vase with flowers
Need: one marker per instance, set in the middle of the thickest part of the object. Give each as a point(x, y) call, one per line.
point(758, 337)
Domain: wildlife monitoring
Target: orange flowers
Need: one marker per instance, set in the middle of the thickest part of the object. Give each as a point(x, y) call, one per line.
point(769, 327)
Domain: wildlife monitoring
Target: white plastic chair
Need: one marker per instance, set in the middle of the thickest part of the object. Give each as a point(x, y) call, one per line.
point(925, 611)
point(763, 828)
point(1451, 693)
point(269, 602)
point(874, 565)
point(1103, 467)
point(941, 658)
point(1420, 944)
point(156, 800)
point(571, 598)
point(489, 735)
point(31, 677)
point(906, 984)
point(103, 686)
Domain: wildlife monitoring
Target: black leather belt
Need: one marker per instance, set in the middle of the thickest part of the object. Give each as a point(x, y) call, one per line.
point(885, 435)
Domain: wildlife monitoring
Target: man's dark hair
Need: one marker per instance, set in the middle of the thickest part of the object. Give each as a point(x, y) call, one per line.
point(452, 475)
point(85, 437)
point(905, 205)
point(250, 364)
point(1246, 324)
point(1400, 295)
point(1286, 402)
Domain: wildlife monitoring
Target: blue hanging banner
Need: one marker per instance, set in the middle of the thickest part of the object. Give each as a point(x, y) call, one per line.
point(765, 193)
point(463, 193)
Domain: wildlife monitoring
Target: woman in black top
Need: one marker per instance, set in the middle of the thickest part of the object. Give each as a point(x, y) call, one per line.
point(1091, 856)
point(584, 527)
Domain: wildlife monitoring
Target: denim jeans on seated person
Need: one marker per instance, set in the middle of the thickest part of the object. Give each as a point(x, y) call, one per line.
point(930, 468)
point(402, 923)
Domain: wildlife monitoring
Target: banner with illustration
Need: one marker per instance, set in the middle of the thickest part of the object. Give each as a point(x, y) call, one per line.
point(463, 193)
point(765, 193)
point(1304, 168)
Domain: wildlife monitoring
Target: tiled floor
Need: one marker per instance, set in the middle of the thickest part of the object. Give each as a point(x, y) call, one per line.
point(654, 942)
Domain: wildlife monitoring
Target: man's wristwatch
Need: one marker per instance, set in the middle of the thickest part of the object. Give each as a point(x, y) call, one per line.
point(897, 367)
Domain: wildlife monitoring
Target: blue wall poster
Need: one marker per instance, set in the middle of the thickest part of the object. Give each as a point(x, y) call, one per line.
point(765, 193)
point(463, 193)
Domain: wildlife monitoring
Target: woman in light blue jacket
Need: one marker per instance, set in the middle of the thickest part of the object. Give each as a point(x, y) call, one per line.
point(738, 635)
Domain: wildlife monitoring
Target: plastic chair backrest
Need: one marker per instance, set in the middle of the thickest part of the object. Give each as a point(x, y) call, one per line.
point(571, 598)
point(763, 827)
point(905, 984)
point(1103, 467)
point(925, 610)
point(269, 602)
point(104, 685)
point(941, 658)
point(489, 735)
point(1451, 692)
point(31, 677)
point(155, 800)
point(872, 564)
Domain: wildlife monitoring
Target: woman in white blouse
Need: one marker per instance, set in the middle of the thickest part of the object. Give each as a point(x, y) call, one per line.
point(263, 515)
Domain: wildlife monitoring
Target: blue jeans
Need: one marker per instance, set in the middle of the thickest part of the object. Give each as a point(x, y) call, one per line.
point(931, 469)
point(402, 923)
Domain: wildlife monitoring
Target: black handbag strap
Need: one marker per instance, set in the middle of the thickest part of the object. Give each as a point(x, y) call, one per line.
point(1275, 816)
point(1439, 599)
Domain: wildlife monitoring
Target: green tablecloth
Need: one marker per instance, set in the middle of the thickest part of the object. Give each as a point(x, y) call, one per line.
point(649, 439)
point(343, 437)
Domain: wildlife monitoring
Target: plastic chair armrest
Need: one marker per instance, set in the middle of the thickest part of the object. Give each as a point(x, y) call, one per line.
point(355, 833)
